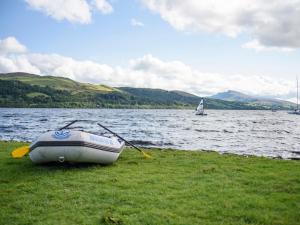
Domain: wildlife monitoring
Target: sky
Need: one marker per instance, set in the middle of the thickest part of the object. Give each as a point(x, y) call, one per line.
point(202, 47)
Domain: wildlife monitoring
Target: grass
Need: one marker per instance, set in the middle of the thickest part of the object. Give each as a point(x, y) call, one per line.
point(43, 81)
point(60, 83)
point(175, 187)
point(99, 87)
point(36, 94)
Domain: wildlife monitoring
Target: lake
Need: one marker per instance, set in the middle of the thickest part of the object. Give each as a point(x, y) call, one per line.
point(261, 133)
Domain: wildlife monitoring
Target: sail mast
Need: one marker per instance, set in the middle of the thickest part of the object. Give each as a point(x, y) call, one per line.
point(297, 95)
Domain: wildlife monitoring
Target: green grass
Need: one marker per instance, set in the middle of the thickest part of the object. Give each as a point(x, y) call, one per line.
point(43, 81)
point(36, 94)
point(60, 83)
point(175, 187)
point(99, 87)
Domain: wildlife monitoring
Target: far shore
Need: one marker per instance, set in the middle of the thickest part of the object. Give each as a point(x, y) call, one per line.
point(150, 108)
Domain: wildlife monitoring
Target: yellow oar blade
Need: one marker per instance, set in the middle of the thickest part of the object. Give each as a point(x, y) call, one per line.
point(146, 155)
point(20, 152)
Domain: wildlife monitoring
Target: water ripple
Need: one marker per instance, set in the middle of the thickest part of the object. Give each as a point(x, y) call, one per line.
point(259, 133)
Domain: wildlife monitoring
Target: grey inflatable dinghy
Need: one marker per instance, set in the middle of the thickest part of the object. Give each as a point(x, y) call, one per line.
point(75, 146)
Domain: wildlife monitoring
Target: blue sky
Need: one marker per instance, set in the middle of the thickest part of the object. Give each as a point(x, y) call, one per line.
point(110, 39)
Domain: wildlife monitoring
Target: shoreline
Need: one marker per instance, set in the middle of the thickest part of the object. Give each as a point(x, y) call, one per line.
point(145, 108)
point(160, 148)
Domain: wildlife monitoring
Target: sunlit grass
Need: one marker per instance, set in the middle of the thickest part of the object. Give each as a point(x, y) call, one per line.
point(35, 94)
point(174, 187)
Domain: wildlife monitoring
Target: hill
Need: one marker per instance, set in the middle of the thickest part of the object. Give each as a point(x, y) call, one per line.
point(30, 90)
point(163, 97)
point(231, 95)
point(58, 83)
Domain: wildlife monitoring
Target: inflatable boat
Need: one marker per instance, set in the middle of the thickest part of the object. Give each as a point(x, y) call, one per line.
point(75, 146)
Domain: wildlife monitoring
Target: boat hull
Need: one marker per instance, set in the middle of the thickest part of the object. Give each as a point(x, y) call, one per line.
point(201, 114)
point(75, 146)
point(295, 113)
point(76, 154)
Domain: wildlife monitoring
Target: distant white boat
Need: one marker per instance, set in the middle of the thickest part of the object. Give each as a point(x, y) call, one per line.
point(296, 111)
point(200, 108)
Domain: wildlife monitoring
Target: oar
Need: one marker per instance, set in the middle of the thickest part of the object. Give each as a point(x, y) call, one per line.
point(20, 152)
point(140, 150)
point(69, 124)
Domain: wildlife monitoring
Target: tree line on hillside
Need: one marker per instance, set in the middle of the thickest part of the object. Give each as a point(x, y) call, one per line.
point(14, 93)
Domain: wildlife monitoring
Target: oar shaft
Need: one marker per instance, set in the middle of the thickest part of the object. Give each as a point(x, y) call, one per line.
point(120, 137)
point(69, 124)
point(74, 121)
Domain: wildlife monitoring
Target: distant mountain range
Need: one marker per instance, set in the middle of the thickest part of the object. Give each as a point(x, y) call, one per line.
point(30, 90)
point(231, 95)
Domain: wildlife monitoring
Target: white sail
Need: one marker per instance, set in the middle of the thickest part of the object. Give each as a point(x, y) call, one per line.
point(200, 108)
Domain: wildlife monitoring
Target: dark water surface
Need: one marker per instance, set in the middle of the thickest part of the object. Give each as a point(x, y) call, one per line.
point(262, 133)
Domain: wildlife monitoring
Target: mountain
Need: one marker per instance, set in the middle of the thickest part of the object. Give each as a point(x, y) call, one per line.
point(179, 98)
point(231, 95)
point(30, 90)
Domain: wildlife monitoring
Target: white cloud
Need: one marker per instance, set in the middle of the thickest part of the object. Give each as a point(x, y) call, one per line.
point(16, 64)
point(103, 6)
point(257, 46)
point(177, 75)
point(57, 65)
point(75, 11)
point(270, 23)
point(11, 45)
point(136, 23)
point(147, 71)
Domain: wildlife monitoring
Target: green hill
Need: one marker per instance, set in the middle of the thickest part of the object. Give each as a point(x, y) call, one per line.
point(179, 98)
point(59, 83)
point(29, 90)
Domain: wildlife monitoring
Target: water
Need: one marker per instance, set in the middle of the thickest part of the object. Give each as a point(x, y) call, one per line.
point(262, 133)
